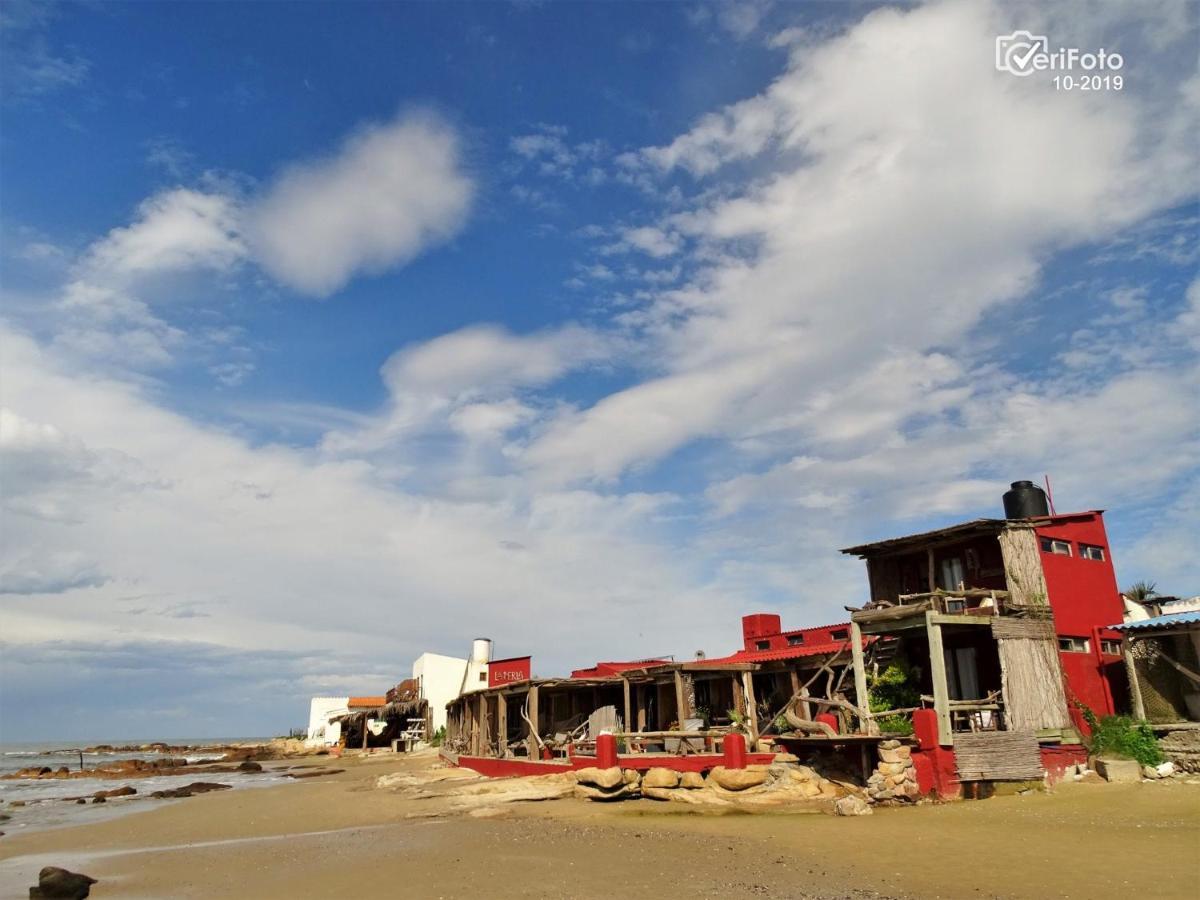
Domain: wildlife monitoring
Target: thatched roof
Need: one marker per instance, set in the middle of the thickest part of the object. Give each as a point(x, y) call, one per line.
point(400, 709)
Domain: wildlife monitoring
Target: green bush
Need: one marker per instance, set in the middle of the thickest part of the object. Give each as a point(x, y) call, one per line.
point(438, 737)
point(1122, 736)
point(893, 688)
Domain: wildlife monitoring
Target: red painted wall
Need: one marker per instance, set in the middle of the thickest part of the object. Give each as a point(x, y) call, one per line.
point(508, 671)
point(765, 627)
point(1085, 599)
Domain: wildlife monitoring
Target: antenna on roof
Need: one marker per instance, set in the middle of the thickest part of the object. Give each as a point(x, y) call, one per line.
point(1049, 495)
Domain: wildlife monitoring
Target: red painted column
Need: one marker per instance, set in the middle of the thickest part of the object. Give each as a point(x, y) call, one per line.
point(734, 751)
point(606, 751)
point(925, 728)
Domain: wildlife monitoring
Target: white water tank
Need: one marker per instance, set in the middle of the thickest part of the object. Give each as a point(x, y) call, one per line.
point(481, 651)
point(476, 677)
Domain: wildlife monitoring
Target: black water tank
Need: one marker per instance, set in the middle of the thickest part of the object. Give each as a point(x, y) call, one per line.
point(1025, 501)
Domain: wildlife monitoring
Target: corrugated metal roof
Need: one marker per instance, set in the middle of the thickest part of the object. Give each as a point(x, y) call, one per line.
point(955, 532)
point(1183, 618)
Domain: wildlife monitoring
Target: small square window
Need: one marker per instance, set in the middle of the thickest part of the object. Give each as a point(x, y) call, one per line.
point(1074, 645)
point(1110, 648)
point(763, 645)
point(1091, 551)
point(795, 640)
point(1059, 548)
point(483, 676)
point(839, 634)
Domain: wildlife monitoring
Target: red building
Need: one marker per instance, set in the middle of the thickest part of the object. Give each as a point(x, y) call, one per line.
point(1061, 561)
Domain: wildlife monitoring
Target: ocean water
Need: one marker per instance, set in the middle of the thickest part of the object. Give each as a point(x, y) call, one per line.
point(45, 799)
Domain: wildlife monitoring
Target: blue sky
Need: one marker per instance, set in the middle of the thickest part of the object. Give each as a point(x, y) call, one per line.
point(333, 334)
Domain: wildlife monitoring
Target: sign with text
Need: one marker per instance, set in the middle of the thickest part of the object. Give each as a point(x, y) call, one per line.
point(508, 671)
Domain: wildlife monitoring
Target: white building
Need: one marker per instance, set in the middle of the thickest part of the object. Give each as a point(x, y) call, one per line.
point(322, 732)
point(476, 678)
point(439, 679)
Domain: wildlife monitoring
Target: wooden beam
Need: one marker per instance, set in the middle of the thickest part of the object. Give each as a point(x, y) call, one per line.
point(932, 570)
point(952, 619)
point(680, 699)
point(751, 708)
point(861, 697)
point(1135, 687)
point(640, 693)
point(941, 689)
point(739, 696)
point(533, 719)
point(805, 707)
point(628, 709)
point(502, 723)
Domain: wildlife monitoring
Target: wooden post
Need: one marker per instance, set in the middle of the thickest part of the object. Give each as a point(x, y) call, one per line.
point(937, 671)
point(639, 692)
point(751, 709)
point(1135, 687)
point(533, 719)
point(627, 724)
point(364, 743)
point(805, 706)
point(861, 696)
point(502, 723)
point(932, 572)
point(739, 697)
point(681, 710)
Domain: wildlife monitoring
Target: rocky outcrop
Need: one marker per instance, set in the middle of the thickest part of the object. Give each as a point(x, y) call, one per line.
point(196, 787)
point(59, 884)
point(606, 784)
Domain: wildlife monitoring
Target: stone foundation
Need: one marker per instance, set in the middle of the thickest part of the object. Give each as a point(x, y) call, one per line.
point(895, 778)
point(1182, 747)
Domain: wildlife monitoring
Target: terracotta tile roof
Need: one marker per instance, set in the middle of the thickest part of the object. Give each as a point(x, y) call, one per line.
point(366, 702)
point(751, 656)
point(610, 669)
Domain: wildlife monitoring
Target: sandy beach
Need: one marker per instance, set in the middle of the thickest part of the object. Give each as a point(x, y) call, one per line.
point(342, 836)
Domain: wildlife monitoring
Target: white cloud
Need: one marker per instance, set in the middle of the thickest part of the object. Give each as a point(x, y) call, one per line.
point(389, 192)
point(652, 241)
point(901, 191)
point(282, 542)
point(177, 230)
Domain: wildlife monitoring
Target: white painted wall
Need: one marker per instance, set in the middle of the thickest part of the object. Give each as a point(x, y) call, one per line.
point(477, 666)
point(440, 678)
point(320, 731)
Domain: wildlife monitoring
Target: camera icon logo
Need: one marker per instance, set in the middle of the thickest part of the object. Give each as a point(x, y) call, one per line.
point(1015, 52)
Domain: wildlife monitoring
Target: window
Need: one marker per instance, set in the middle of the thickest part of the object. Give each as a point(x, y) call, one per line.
point(1074, 645)
point(483, 676)
point(1110, 648)
point(952, 573)
point(795, 640)
point(1091, 551)
point(1059, 548)
point(838, 634)
point(763, 645)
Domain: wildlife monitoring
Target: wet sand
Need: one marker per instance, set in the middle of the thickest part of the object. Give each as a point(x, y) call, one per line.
point(342, 837)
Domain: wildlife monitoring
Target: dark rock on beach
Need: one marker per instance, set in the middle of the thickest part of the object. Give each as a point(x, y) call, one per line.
point(196, 787)
point(59, 884)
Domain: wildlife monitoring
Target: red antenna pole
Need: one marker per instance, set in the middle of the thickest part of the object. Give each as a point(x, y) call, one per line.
point(1049, 494)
